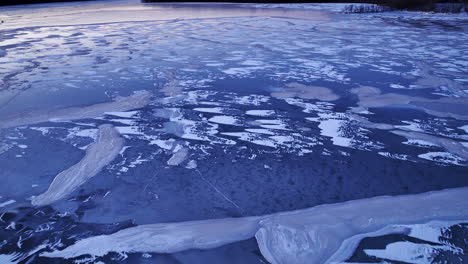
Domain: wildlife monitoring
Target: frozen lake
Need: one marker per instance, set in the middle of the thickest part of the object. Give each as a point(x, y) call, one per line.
point(116, 114)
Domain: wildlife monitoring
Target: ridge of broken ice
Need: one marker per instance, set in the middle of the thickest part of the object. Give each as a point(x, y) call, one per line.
point(120, 104)
point(99, 154)
point(321, 234)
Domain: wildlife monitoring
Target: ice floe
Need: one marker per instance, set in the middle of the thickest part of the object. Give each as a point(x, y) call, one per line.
point(180, 154)
point(306, 92)
point(98, 155)
point(191, 165)
point(225, 120)
point(445, 107)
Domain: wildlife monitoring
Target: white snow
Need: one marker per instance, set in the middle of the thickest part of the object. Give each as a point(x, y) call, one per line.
point(431, 231)
point(457, 150)
point(272, 124)
point(411, 126)
point(260, 112)
point(419, 143)
point(330, 126)
point(252, 138)
point(253, 99)
point(407, 252)
point(393, 155)
point(242, 71)
point(397, 86)
point(443, 157)
point(191, 165)
point(260, 131)
point(215, 110)
point(164, 144)
point(225, 120)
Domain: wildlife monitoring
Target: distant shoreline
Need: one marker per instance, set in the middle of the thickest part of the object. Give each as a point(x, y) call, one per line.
point(27, 2)
point(426, 5)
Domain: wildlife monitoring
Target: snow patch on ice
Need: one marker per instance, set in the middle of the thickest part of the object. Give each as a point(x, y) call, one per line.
point(443, 157)
point(260, 112)
point(128, 114)
point(330, 126)
point(419, 143)
point(215, 110)
point(164, 144)
point(431, 231)
point(408, 252)
point(191, 165)
point(178, 157)
point(394, 156)
point(260, 131)
point(225, 120)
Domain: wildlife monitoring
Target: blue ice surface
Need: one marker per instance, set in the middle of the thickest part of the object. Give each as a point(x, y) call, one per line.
point(256, 179)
